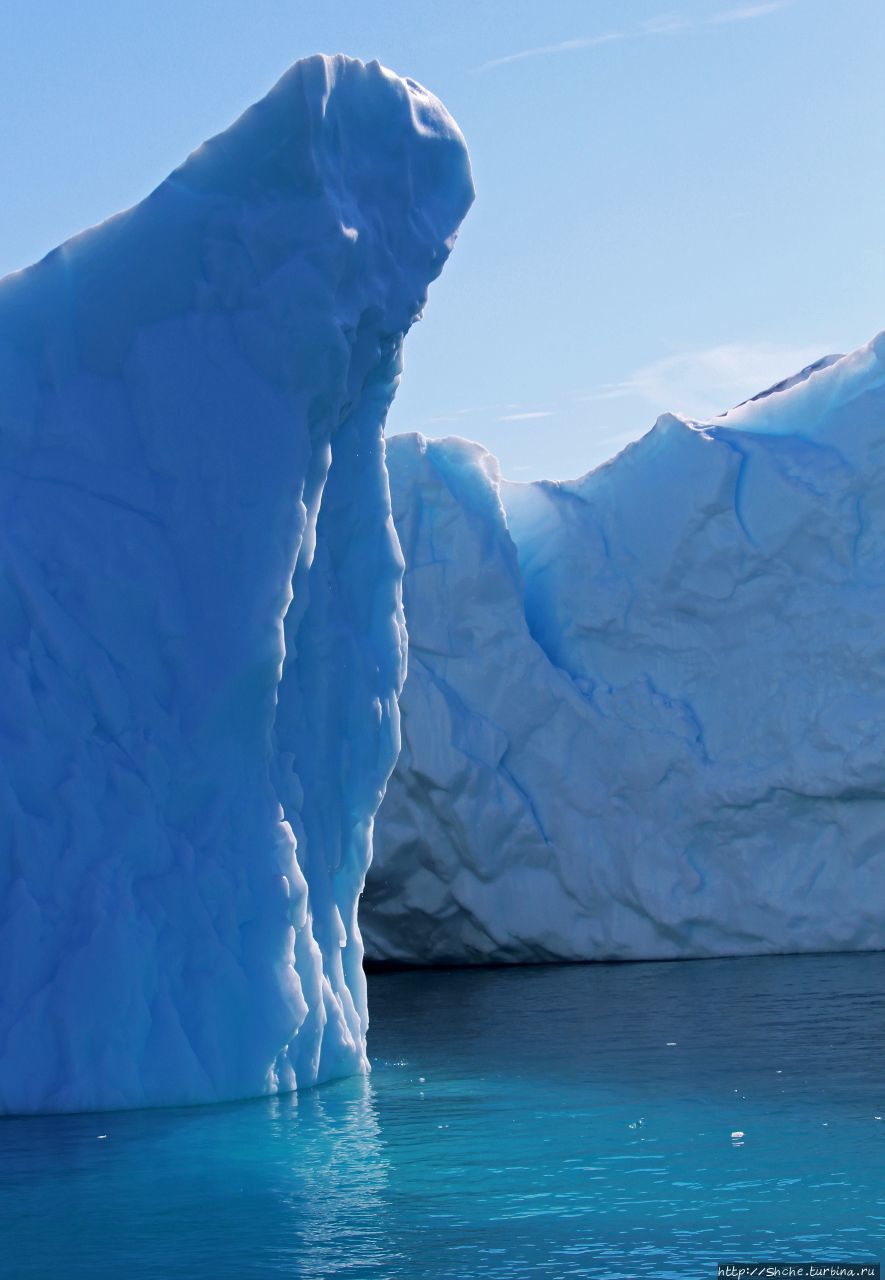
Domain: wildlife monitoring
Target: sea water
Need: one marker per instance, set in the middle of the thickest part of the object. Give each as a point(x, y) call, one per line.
point(613, 1121)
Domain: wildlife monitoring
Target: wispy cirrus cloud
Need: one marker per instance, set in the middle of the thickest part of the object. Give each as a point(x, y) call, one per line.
point(747, 13)
point(563, 46)
point(703, 383)
point(503, 411)
point(525, 417)
point(665, 24)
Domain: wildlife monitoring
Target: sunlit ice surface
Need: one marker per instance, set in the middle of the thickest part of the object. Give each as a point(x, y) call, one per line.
point(589, 1120)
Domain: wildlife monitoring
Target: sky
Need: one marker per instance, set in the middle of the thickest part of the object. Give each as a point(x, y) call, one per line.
point(678, 204)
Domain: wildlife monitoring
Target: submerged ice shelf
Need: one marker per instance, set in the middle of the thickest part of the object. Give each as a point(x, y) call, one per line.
point(201, 638)
point(645, 710)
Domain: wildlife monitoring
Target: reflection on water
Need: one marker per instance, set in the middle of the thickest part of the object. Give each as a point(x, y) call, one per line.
point(278, 1186)
point(551, 1122)
point(332, 1175)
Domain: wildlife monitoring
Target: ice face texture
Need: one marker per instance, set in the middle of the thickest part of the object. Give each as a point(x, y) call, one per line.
point(201, 639)
point(645, 711)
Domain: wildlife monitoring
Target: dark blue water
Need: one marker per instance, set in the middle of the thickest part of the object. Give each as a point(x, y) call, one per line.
point(550, 1122)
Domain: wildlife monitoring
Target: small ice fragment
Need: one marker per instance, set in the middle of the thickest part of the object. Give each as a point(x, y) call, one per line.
point(421, 1080)
point(670, 1044)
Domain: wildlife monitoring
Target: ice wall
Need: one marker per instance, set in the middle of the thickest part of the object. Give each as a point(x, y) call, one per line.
point(645, 711)
point(201, 639)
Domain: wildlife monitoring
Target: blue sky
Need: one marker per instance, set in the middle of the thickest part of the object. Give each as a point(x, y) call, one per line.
point(677, 203)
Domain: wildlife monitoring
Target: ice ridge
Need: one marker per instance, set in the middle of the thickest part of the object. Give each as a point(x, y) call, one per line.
point(644, 710)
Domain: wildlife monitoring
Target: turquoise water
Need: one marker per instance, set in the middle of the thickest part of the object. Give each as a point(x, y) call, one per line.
point(551, 1122)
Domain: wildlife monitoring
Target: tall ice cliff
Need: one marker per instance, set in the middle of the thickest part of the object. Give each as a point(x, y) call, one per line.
point(645, 710)
point(201, 640)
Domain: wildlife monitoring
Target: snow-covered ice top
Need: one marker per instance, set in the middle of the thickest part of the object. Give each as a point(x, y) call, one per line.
point(201, 640)
point(645, 710)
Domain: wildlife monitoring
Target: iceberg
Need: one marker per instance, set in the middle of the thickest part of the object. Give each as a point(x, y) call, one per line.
point(201, 635)
point(645, 710)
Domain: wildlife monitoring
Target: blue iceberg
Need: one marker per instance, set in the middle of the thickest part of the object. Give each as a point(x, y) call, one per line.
point(201, 636)
point(645, 710)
